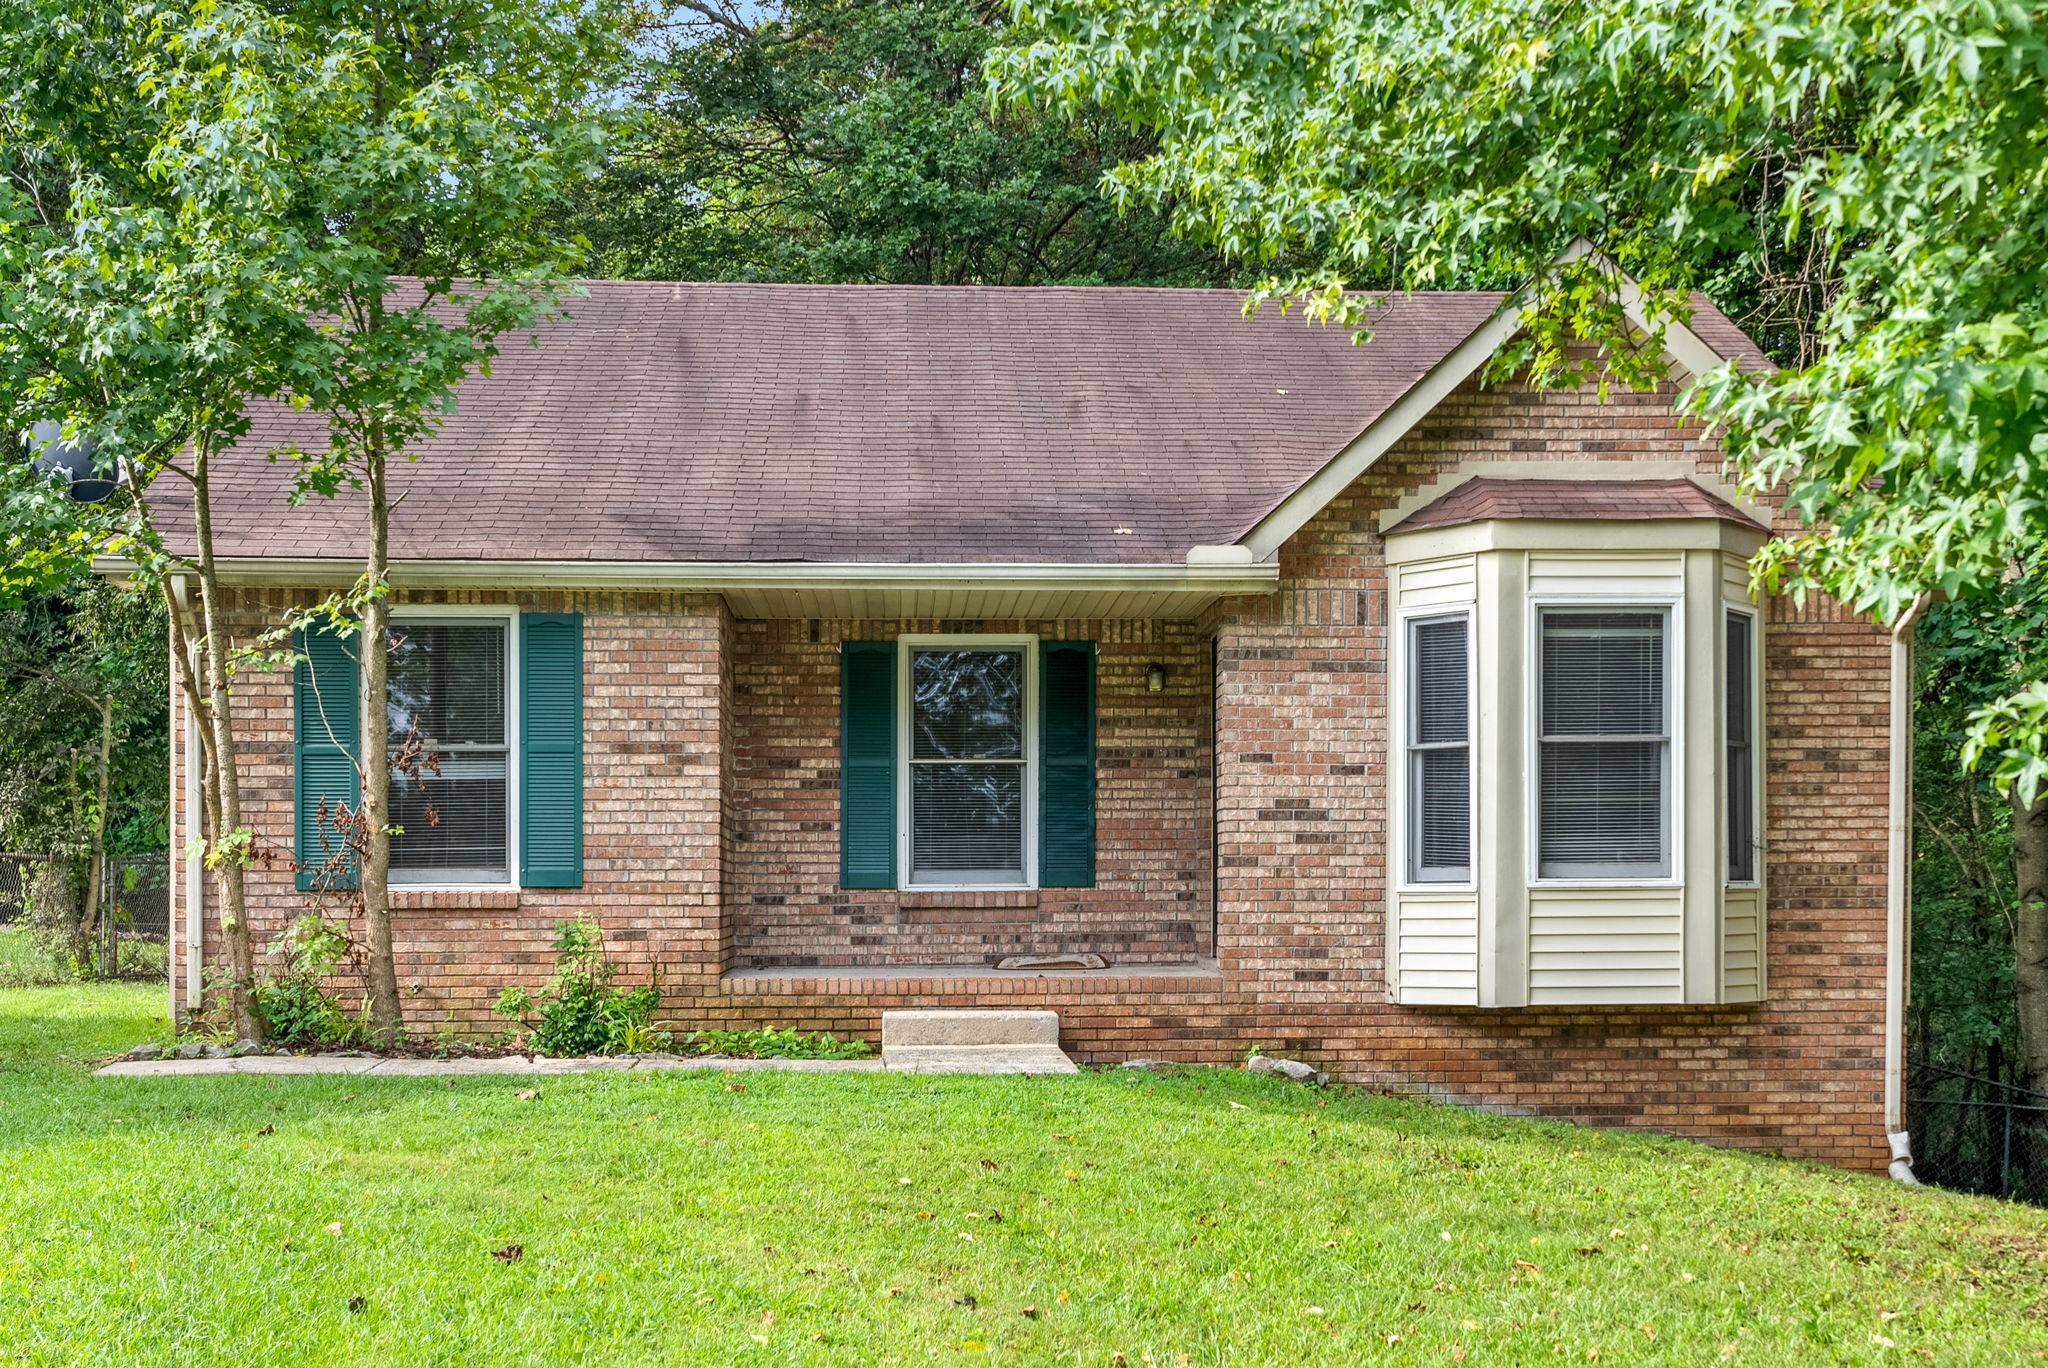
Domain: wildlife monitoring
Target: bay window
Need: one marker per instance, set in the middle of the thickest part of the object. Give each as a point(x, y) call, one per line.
point(1575, 731)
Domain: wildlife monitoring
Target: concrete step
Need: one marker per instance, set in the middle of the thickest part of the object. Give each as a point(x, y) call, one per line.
point(969, 1028)
point(977, 1059)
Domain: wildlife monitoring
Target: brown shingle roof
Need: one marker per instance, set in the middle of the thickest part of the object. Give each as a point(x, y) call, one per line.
point(880, 424)
point(1480, 499)
point(736, 422)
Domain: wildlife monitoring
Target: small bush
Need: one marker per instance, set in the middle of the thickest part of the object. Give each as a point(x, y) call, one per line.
point(580, 1011)
point(296, 1007)
point(770, 1042)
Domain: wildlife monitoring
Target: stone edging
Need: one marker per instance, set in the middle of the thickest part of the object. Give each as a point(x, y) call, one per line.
point(519, 1066)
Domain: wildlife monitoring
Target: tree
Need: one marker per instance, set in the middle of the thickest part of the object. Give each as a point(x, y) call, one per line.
point(419, 187)
point(1876, 171)
point(1866, 183)
point(82, 736)
point(852, 140)
point(1980, 946)
point(141, 307)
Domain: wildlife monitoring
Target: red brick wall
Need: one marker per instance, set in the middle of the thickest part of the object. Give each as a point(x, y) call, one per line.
point(654, 827)
point(693, 715)
point(1151, 902)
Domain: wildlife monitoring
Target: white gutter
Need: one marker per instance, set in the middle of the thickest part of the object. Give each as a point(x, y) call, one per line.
point(1898, 894)
point(1209, 571)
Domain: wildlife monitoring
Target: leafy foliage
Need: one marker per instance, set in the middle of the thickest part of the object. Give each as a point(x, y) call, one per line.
point(295, 1002)
point(60, 656)
point(581, 1011)
point(1879, 170)
point(1964, 900)
point(852, 140)
point(771, 1042)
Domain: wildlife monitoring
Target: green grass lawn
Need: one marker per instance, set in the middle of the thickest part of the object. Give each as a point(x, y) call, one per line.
point(1207, 1218)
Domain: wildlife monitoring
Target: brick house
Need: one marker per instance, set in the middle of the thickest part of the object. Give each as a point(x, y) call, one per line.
point(841, 648)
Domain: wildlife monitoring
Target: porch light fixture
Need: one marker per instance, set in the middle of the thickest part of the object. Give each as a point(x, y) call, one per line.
point(1155, 678)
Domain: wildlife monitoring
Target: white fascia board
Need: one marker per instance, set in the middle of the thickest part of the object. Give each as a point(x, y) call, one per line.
point(1681, 344)
point(1236, 577)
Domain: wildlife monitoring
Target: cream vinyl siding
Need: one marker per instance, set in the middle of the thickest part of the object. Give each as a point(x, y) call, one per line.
point(1509, 938)
point(1433, 933)
point(1436, 584)
point(1742, 945)
point(1437, 947)
point(1566, 575)
point(1606, 945)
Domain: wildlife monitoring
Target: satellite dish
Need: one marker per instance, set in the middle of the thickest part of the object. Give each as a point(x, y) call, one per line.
point(69, 463)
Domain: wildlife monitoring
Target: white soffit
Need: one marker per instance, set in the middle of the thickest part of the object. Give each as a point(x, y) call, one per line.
point(807, 590)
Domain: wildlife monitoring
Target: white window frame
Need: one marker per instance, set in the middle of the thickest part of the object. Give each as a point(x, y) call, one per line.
point(1673, 605)
point(1756, 747)
point(431, 614)
point(906, 645)
point(1404, 726)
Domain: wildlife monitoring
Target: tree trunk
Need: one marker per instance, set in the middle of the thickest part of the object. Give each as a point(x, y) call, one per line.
point(96, 868)
point(2030, 936)
point(380, 968)
point(228, 849)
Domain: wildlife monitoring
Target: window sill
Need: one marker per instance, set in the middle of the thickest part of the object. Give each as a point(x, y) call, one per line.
point(915, 898)
point(454, 899)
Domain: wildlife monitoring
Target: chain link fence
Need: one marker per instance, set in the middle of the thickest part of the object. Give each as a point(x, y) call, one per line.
point(18, 875)
point(1978, 1134)
point(138, 902)
point(135, 907)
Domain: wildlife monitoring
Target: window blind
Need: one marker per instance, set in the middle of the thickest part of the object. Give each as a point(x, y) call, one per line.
point(1741, 757)
point(967, 779)
point(1604, 745)
point(447, 690)
point(1439, 750)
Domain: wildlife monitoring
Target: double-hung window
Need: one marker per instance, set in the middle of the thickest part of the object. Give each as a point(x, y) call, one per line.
point(970, 789)
point(1603, 808)
point(450, 787)
point(1439, 749)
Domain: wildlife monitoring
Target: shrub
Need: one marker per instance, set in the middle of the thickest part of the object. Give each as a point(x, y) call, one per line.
point(295, 1004)
point(580, 1011)
point(772, 1043)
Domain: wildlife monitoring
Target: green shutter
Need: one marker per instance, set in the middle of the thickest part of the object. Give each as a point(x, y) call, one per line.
point(326, 734)
point(1066, 772)
point(867, 764)
point(551, 750)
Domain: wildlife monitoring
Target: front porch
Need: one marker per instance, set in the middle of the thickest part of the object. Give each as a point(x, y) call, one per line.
point(787, 913)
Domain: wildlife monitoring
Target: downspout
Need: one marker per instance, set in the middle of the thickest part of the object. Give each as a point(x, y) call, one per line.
point(1898, 893)
point(195, 886)
point(171, 839)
